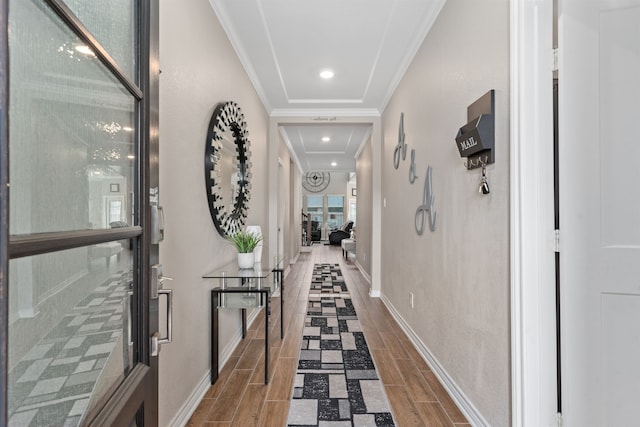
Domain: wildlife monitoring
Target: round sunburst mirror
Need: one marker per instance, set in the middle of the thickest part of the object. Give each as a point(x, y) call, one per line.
point(227, 168)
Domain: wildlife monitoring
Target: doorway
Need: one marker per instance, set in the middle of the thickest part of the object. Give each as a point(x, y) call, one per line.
point(75, 283)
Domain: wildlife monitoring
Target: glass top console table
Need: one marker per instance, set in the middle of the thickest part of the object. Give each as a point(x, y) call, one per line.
point(242, 289)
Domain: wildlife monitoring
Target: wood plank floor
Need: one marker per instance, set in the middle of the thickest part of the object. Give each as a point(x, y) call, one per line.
point(240, 397)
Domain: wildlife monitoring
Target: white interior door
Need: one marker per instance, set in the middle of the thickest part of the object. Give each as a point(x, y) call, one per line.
point(599, 78)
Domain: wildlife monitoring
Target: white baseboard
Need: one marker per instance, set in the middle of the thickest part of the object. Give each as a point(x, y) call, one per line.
point(191, 404)
point(472, 414)
point(364, 273)
point(372, 293)
point(184, 414)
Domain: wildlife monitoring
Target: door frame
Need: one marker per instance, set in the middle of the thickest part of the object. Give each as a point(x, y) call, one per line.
point(533, 318)
point(141, 385)
point(4, 206)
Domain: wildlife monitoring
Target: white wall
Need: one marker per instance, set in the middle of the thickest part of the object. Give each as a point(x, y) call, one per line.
point(364, 228)
point(459, 274)
point(291, 221)
point(199, 69)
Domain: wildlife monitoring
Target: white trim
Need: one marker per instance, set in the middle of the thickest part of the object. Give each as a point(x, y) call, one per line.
point(223, 18)
point(191, 404)
point(186, 411)
point(364, 273)
point(376, 205)
point(455, 392)
point(363, 143)
point(329, 115)
point(373, 293)
point(292, 261)
point(533, 376)
point(292, 152)
point(403, 65)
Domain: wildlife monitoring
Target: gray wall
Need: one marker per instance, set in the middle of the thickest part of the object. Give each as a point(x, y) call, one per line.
point(459, 274)
point(290, 205)
point(199, 69)
point(364, 228)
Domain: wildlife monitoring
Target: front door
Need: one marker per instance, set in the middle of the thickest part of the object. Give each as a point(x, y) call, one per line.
point(75, 274)
point(599, 74)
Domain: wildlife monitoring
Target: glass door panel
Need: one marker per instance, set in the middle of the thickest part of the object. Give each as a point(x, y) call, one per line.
point(113, 24)
point(76, 316)
point(69, 332)
point(72, 139)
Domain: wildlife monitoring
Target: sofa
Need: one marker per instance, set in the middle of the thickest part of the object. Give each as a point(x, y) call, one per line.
point(337, 235)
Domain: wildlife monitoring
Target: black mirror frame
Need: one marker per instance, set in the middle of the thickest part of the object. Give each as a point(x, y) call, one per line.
point(227, 116)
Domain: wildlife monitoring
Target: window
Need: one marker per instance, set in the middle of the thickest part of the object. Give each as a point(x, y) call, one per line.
point(315, 209)
point(335, 210)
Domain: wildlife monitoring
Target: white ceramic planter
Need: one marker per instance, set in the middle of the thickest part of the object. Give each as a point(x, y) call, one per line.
point(246, 260)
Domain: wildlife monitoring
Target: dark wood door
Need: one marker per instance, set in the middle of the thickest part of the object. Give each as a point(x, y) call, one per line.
point(78, 182)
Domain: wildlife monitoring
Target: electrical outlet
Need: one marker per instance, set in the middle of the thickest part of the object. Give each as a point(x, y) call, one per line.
point(411, 298)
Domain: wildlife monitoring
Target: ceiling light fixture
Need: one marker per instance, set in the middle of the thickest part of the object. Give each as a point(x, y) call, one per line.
point(334, 164)
point(326, 139)
point(326, 74)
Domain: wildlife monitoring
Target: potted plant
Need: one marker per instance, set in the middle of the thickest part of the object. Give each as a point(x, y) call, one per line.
point(245, 243)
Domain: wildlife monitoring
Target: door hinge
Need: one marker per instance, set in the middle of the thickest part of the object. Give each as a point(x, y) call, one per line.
point(555, 58)
point(556, 240)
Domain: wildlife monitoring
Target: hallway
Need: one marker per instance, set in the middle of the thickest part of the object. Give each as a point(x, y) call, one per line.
point(239, 397)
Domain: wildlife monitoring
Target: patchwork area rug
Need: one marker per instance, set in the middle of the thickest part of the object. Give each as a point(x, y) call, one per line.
point(336, 382)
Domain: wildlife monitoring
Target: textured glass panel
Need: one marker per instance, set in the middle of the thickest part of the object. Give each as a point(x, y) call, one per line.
point(71, 133)
point(112, 22)
point(69, 332)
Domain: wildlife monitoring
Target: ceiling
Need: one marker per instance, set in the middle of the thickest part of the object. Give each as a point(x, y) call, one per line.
point(285, 44)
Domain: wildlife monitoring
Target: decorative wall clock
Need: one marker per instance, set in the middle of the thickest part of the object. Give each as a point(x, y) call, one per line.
point(316, 182)
point(227, 168)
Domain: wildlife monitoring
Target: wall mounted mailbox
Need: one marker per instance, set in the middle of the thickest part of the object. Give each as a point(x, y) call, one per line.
point(476, 139)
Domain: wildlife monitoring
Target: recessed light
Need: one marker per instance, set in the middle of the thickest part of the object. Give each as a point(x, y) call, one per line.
point(334, 164)
point(326, 139)
point(326, 74)
point(127, 129)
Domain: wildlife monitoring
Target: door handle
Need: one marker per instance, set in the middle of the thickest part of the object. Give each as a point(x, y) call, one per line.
point(156, 339)
point(169, 294)
point(157, 279)
point(127, 329)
